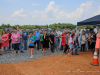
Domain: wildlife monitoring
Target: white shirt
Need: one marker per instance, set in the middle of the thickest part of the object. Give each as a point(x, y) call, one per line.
point(83, 38)
point(58, 32)
point(76, 35)
point(95, 30)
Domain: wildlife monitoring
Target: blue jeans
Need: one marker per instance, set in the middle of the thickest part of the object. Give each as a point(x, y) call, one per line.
point(52, 47)
point(37, 42)
point(25, 44)
point(21, 45)
point(76, 48)
point(61, 48)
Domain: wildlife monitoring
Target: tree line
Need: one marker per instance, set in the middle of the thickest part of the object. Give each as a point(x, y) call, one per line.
point(52, 26)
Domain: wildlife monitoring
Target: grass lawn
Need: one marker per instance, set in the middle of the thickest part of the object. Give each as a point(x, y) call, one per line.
point(0, 31)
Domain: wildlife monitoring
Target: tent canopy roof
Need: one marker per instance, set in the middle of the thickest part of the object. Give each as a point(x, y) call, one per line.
point(90, 22)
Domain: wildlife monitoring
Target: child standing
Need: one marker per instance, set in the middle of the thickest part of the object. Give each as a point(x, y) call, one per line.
point(71, 43)
point(41, 39)
point(34, 36)
point(83, 41)
point(31, 44)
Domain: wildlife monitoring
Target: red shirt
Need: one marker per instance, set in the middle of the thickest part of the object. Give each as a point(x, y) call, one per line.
point(9, 35)
point(63, 39)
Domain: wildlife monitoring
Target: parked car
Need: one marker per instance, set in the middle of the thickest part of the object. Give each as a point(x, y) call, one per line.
point(10, 29)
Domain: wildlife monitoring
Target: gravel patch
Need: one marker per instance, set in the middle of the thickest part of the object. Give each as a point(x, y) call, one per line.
point(9, 57)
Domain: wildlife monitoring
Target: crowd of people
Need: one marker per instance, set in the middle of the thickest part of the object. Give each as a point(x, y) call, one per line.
point(70, 41)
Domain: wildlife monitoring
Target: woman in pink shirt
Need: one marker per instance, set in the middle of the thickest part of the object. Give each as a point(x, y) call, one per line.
point(16, 41)
point(5, 41)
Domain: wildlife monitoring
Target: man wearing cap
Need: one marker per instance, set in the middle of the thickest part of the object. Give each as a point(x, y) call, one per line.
point(20, 32)
point(87, 31)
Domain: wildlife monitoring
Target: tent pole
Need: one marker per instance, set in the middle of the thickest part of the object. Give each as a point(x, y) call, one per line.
point(76, 27)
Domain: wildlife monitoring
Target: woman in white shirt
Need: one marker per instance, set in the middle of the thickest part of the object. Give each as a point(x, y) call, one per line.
point(83, 41)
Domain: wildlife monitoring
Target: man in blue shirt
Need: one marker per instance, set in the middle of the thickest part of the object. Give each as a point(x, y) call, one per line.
point(96, 29)
point(25, 35)
point(37, 33)
point(87, 31)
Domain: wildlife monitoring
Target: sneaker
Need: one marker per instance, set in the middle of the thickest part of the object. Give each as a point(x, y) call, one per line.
point(84, 52)
point(81, 52)
point(31, 57)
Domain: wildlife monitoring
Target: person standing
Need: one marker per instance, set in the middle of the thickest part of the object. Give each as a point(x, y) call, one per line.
point(0, 45)
point(5, 42)
point(34, 36)
point(56, 40)
point(87, 35)
point(75, 42)
point(45, 43)
point(71, 44)
point(63, 35)
point(87, 31)
point(20, 32)
point(91, 40)
point(97, 46)
point(41, 39)
point(16, 41)
point(58, 33)
point(67, 37)
point(96, 29)
point(25, 35)
point(52, 41)
point(83, 41)
point(37, 33)
point(9, 34)
point(31, 44)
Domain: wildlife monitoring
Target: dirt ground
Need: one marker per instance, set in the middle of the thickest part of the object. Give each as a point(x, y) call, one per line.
point(53, 66)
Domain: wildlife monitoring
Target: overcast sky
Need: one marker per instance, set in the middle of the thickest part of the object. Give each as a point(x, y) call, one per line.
point(42, 12)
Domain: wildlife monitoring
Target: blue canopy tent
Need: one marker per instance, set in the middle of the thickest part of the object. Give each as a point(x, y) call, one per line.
point(93, 21)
